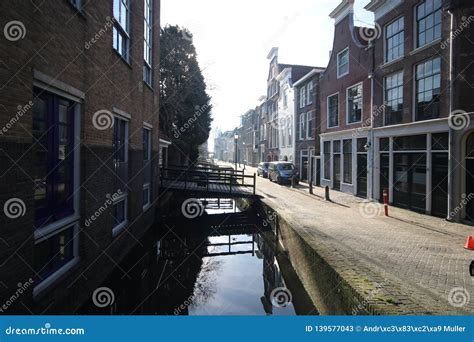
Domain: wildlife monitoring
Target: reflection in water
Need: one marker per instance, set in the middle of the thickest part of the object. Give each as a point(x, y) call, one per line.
point(180, 273)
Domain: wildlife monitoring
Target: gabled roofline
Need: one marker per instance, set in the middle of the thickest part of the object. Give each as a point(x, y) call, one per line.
point(308, 76)
point(373, 5)
point(341, 8)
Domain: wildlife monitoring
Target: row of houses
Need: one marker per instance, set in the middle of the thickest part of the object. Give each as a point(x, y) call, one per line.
point(392, 110)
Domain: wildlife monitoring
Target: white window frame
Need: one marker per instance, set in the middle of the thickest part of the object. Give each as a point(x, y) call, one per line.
point(309, 91)
point(348, 62)
point(309, 115)
point(124, 31)
point(327, 110)
point(147, 65)
point(361, 84)
point(145, 187)
point(302, 127)
point(385, 40)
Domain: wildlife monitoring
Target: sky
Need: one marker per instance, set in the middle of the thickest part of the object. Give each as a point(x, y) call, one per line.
point(233, 38)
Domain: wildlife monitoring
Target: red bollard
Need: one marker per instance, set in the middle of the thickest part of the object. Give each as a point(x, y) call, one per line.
point(385, 201)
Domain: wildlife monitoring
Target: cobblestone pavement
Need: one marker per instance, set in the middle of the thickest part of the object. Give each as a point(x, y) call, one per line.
point(419, 258)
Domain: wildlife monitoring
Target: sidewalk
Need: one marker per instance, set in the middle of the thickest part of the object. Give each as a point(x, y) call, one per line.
point(420, 259)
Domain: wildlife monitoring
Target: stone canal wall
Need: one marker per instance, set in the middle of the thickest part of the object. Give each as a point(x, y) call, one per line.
point(334, 284)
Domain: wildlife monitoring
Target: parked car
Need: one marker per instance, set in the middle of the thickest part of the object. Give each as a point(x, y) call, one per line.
point(282, 172)
point(262, 170)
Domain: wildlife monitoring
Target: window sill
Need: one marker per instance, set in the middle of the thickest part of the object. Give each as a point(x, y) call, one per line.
point(118, 229)
point(393, 61)
point(149, 86)
point(44, 232)
point(146, 207)
point(122, 58)
point(42, 288)
point(426, 46)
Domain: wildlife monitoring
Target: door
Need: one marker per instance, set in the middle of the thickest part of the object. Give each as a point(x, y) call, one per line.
point(337, 171)
point(384, 174)
point(439, 194)
point(304, 167)
point(409, 188)
point(362, 175)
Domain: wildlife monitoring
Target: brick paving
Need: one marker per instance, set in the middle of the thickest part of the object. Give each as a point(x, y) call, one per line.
point(418, 258)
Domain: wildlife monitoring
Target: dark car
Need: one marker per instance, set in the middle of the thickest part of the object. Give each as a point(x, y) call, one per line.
point(282, 172)
point(262, 170)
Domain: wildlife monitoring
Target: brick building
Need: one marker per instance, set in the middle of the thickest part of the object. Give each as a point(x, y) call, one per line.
point(421, 82)
point(345, 92)
point(307, 128)
point(280, 107)
point(79, 144)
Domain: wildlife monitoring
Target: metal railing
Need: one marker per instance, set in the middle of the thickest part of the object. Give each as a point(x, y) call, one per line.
point(204, 178)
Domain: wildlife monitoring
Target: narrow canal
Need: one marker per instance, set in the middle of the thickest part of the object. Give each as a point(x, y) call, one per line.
point(195, 270)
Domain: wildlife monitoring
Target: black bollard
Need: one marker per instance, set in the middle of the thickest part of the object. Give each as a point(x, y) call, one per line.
point(326, 195)
point(311, 186)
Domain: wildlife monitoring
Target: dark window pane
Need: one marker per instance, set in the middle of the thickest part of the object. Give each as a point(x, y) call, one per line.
point(53, 253)
point(361, 145)
point(384, 144)
point(440, 141)
point(414, 142)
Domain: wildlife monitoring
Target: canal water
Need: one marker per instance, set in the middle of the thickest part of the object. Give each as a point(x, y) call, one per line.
point(184, 271)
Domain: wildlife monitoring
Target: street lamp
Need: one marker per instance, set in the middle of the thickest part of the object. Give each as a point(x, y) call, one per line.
point(236, 138)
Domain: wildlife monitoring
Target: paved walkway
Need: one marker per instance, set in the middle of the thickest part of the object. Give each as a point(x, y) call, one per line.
point(419, 259)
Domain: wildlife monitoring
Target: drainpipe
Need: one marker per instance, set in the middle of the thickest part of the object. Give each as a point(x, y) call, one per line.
point(370, 136)
point(451, 130)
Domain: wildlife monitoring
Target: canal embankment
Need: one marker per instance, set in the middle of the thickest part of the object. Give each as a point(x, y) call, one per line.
point(350, 264)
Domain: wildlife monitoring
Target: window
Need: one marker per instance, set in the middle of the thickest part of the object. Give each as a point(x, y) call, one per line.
point(121, 34)
point(393, 98)
point(410, 143)
point(428, 20)
point(347, 151)
point(343, 63)
point(440, 142)
point(354, 104)
point(146, 144)
point(333, 110)
point(147, 46)
point(53, 161)
point(302, 126)
point(285, 99)
point(394, 40)
point(120, 156)
point(309, 87)
point(327, 160)
point(302, 97)
point(428, 89)
point(54, 252)
point(120, 214)
point(309, 125)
